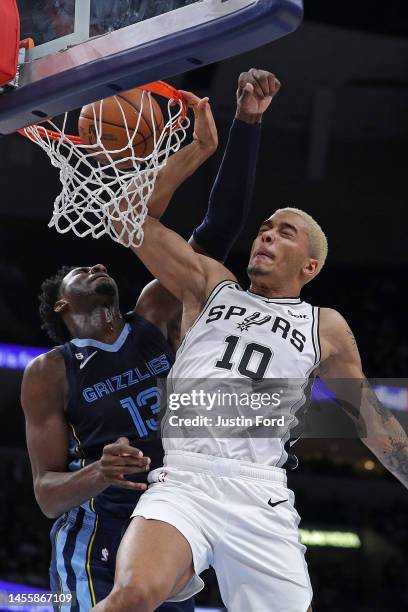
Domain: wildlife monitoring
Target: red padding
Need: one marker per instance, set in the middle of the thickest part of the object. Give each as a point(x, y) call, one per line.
point(9, 40)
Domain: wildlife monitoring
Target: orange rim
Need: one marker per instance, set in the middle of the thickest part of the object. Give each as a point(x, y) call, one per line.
point(158, 87)
point(45, 132)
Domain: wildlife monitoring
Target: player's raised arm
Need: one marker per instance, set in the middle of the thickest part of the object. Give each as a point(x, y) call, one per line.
point(185, 273)
point(189, 276)
point(341, 370)
point(231, 196)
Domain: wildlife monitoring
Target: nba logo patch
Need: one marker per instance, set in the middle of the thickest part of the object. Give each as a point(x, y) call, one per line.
point(105, 554)
point(162, 476)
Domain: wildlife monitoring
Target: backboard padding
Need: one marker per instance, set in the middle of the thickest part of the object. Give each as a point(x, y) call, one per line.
point(163, 46)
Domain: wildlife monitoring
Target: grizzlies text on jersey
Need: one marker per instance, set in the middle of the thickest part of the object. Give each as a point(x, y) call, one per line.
point(113, 392)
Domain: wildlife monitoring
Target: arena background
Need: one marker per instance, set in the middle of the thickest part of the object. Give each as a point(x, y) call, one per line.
point(334, 143)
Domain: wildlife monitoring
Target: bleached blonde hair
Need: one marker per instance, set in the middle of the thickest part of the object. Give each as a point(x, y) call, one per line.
point(317, 237)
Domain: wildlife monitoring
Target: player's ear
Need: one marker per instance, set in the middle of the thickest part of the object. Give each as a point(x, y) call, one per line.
point(60, 305)
point(310, 268)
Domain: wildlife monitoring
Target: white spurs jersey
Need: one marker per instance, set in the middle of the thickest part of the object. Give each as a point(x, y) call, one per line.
point(243, 345)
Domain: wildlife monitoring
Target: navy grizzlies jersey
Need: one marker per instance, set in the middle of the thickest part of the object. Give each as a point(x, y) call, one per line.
point(113, 392)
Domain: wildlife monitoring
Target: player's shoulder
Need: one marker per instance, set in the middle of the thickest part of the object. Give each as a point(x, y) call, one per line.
point(329, 318)
point(216, 270)
point(143, 321)
point(217, 273)
point(334, 328)
point(44, 385)
point(46, 365)
point(215, 264)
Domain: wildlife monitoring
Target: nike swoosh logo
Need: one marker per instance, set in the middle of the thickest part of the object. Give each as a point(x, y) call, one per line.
point(273, 504)
point(83, 363)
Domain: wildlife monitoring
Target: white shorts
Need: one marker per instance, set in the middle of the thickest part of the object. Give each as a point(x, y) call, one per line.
point(240, 518)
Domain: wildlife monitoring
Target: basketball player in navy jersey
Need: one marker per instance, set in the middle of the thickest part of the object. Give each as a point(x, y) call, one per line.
point(223, 500)
point(90, 404)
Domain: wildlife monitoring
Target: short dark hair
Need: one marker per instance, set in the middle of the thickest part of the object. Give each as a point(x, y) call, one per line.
point(52, 322)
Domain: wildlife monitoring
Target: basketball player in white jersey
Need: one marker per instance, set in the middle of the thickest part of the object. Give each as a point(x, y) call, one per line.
point(224, 501)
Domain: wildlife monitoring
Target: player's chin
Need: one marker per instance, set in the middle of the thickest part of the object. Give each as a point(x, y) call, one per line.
point(258, 270)
point(106, 287)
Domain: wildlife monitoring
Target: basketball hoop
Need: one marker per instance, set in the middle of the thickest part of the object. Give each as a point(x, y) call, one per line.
point(105, 190)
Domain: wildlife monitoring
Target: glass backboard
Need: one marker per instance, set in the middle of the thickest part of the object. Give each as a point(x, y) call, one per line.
point(64, 22)
point(86, 50)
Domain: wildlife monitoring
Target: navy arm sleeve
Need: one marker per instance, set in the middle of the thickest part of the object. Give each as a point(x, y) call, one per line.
point(231, 195)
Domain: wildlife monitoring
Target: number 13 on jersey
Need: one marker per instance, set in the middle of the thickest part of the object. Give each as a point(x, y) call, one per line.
point(149, 398)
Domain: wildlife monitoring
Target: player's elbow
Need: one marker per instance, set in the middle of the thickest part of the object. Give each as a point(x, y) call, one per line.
point(45, 502)
point(50, 514)
point(47, 508)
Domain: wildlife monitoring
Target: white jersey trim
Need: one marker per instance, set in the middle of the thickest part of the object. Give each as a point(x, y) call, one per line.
point(308, 382)
point(291, 301)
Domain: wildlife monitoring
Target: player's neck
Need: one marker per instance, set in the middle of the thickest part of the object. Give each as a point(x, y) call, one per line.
point(104, 324)
point(284, 290)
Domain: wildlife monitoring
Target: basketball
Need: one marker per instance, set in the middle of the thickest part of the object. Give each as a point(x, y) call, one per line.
point(112, 115)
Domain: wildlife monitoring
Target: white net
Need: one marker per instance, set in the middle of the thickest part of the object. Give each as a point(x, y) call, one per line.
point(106, 190)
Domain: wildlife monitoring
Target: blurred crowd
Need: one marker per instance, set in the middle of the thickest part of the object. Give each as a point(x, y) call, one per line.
point(370, 300)
point(24, 539)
